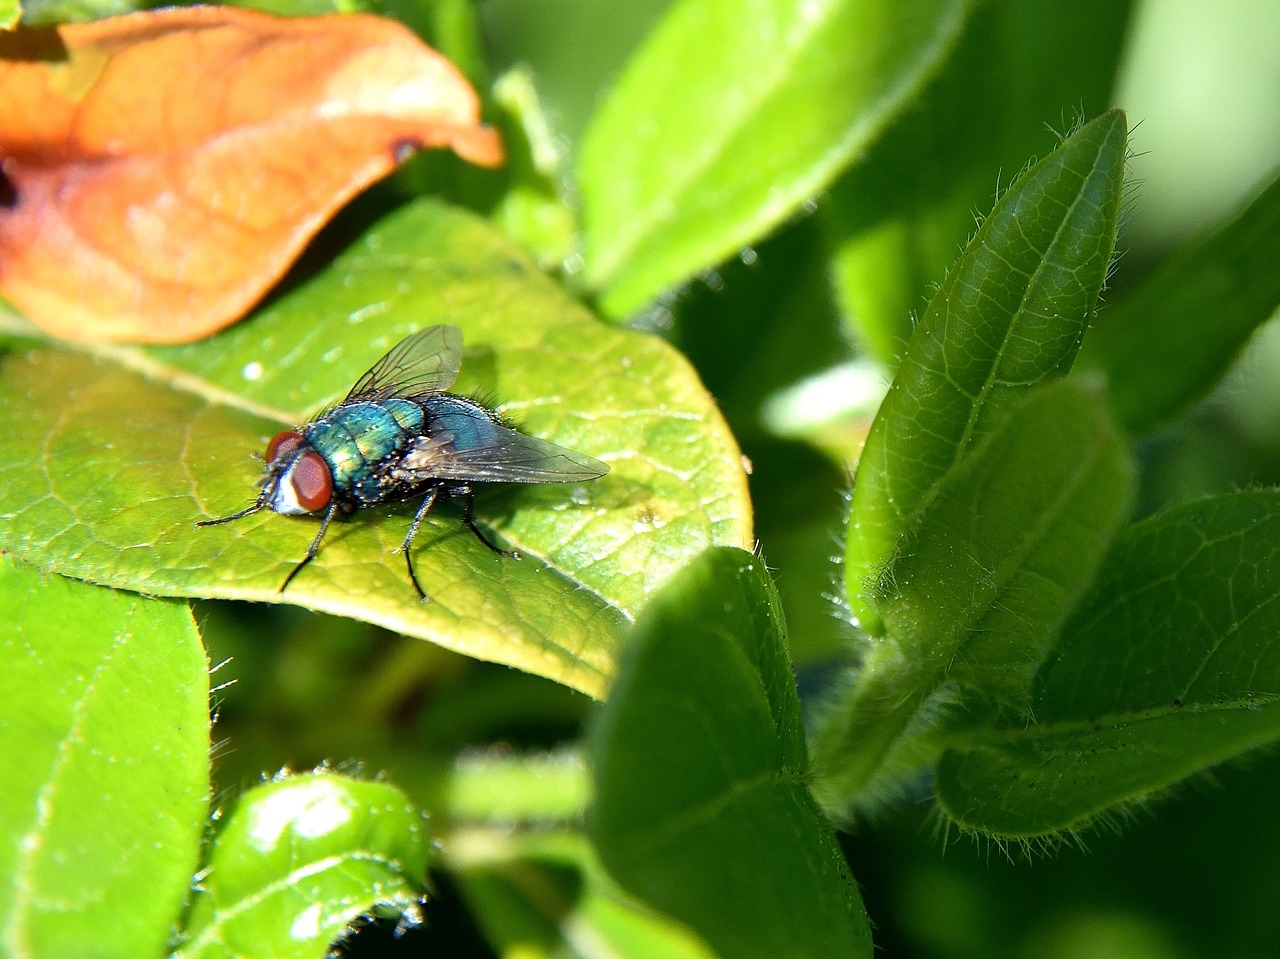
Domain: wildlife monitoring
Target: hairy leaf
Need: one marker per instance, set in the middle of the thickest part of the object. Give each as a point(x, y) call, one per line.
point(1010, 314)
point(984, 579)
point(897, 217)
point(1171, 665)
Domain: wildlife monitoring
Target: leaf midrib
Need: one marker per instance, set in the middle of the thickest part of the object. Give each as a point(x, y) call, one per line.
point(137, 360)
point(31, 842)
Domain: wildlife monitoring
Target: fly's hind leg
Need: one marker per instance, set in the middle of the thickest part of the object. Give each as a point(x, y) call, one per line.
point(425, 508)
point(468, 497)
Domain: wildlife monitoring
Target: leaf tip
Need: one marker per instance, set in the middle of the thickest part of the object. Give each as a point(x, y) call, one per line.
point(481, 145)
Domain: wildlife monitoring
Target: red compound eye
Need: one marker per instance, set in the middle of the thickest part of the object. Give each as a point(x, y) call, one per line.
point(312, 483)
point(283, 445)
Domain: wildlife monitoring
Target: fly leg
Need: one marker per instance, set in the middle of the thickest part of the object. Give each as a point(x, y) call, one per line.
point(425, 508)
point(315, 544)
point(468, 504)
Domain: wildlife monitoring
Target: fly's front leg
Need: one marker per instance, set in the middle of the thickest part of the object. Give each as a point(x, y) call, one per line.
point(315, 544)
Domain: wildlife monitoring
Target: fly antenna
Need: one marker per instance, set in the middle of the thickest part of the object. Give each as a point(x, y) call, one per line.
point(247, 511)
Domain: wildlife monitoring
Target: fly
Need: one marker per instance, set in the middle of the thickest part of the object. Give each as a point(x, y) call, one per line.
point(399, 434)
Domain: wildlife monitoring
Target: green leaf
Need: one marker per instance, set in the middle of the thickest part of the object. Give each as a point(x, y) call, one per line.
point(702, 804)
point(1010, 314)
point(531, 210)
point(983, 580)
point(298, 860)
point(987, 575)
point(499, 787)
point(573, 48)
point(10, 13)
point(107, 460)
point(730, 116)
point(1171, 665)
point(104, 757)
point(1168, 342)
point(896, 219)
point(450, 26)
point(48, 13)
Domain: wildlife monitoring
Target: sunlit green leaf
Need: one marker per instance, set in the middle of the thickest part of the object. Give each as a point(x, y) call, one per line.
point(108, 459)
point(298, 860)
point(44, 13)
point(1010, 313)
point(1165, 344)
point(104, 760)
point(702, 803)
point(1171, 665)
point(730, 116)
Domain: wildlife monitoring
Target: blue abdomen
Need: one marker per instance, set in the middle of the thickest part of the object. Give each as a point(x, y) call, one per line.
point(470, 424)
point(355, 436)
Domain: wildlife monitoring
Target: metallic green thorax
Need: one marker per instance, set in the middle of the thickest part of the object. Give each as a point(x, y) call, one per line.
point(355, 436)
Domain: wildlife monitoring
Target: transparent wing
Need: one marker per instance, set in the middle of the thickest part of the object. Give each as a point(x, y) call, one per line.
point(467, 446)
point(423, 362)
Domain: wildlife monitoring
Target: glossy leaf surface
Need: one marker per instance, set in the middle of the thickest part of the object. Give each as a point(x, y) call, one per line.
point(108, 460)
point(702, 800)
point(166, 167)
point(104, 746)
point(1169, 666)
point(298, 860)
point(984, 579)
point(729, 117)
point(1010, 314)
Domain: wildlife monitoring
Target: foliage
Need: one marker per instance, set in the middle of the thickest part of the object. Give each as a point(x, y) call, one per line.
point(1022, 629)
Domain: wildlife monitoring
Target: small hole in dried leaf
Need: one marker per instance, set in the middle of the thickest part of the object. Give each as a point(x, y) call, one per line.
point(120, 134)
point(8, 192)
point(403, 150)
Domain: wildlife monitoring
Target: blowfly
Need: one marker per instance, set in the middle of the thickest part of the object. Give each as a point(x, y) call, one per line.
point(399, 434)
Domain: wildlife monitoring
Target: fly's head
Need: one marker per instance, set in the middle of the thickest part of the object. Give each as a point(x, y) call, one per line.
point(297, 480)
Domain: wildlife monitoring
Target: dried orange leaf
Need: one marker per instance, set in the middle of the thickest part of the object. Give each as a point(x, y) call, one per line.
point(163, 169)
